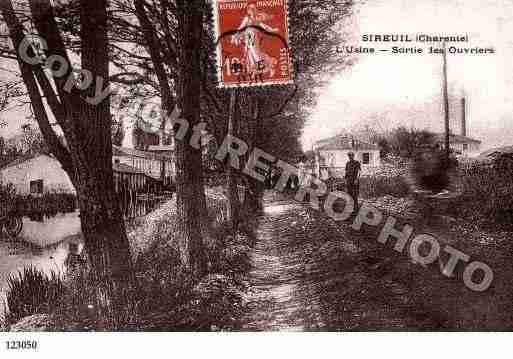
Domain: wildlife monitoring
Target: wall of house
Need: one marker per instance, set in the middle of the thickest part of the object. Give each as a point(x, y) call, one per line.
point(471, 147)
point(336, 160)
point(43, 167)
point(149, 166)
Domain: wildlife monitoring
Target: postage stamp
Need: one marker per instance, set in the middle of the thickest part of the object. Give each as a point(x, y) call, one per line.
point(253, 43)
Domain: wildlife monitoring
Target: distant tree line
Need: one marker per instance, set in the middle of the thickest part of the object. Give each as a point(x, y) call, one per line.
point(404, 142)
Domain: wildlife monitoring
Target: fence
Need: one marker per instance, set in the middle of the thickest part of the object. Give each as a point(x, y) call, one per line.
point(135, 205)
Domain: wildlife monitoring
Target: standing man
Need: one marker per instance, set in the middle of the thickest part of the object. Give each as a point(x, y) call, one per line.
point(353, 169)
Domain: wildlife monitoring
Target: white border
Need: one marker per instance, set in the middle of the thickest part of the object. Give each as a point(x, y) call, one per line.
point(262, 345)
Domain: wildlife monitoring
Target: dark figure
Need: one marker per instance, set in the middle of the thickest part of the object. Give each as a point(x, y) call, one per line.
point(431, 170)
point(353, 169)
point(295, 181)
point(275, 177)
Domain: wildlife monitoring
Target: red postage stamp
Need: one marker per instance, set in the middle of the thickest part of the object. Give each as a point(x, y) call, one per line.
point(253, 43)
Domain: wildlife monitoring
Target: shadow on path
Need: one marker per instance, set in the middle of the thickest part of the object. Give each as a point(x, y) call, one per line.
point(311, 273)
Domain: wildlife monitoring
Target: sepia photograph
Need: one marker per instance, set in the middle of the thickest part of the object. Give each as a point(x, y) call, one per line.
point(239, 166)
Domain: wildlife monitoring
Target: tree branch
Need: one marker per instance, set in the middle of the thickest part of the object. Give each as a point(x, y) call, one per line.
point(51, 139)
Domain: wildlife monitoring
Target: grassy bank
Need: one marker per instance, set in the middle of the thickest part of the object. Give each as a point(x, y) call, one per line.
point(377, 186)
point(165, 297)
point(486, 193)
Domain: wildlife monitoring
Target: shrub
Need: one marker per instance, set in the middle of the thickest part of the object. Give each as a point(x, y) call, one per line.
point(404, 141)
point(46, 205)
point(378, 186)
point(32, 292)
point(487, 196)
point(335, 184)
point(7, 193)
point(85, 306)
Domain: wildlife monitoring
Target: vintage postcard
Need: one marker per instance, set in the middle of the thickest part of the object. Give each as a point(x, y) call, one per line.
point(218, 166)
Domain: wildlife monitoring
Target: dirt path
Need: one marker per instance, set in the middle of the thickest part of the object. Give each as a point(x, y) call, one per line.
point(310, 273)
point(279, 259)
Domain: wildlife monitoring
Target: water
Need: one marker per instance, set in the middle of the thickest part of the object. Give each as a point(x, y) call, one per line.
point(43, 243)
point(46, 231)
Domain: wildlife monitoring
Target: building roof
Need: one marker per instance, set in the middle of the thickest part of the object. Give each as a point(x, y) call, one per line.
point(25, 158)
point(130, 152)
point(344, 142)
point(440, 137)
point(124, 168)
point(116, 151)
point(505, 150)
point(161, 148)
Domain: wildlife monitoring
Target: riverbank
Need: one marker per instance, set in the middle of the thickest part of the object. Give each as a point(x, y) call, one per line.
point(299, 270)
point(15, 255)
point(44, 242)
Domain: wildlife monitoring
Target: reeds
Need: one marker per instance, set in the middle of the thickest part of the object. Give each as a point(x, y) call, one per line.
point(32, 291)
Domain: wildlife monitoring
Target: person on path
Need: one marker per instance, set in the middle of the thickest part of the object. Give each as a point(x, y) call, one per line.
point(353, 170)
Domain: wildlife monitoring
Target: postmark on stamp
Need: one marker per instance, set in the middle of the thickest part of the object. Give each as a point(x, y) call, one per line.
point(253, 43)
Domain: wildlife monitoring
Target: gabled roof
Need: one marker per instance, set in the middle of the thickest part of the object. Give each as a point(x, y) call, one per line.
point(456, 138)
point(25, 158)
point(344, 142)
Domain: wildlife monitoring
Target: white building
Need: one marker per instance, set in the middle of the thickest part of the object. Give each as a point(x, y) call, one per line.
point(460, 144)
point(37, 174)
point(331, 155)
point(150, 163)
point(42, 173)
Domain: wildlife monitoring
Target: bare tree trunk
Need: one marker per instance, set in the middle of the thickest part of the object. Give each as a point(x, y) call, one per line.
point(193, 234)
point(102, 222)
point(87, 129)
point(191, 203)
point(29, 78)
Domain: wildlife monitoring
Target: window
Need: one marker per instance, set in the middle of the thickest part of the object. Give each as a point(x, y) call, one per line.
point(36, 187)
point(465, 146)
point(366, 158)
point(323, 160)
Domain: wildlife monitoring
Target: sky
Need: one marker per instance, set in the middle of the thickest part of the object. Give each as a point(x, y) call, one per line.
point(385, 90)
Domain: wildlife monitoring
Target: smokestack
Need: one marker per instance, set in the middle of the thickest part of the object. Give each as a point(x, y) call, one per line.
point(463, 117)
